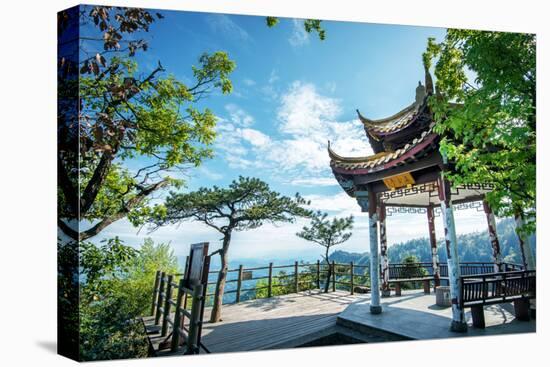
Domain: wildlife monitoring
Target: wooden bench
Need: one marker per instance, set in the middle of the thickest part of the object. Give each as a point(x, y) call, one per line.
point(487, 289)
point(425, 283)
point(412, 272)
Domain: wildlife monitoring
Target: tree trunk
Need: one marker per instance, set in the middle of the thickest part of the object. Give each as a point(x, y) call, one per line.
point(527, 256)
point(329, 274)
point(215, 316)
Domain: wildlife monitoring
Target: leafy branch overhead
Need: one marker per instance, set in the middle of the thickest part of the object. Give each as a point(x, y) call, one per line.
point(485, 109)
point(126, 114)
point(310, 25)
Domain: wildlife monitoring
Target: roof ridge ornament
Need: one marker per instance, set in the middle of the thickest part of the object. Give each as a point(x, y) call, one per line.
point(428, 81)
point(420, 94)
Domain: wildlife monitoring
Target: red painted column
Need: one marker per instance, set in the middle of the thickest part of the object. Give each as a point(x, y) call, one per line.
point(385, 268)
point(433, 246)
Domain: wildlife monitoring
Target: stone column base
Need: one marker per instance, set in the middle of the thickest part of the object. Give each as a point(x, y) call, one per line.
point(375, 310)
point(459, 327)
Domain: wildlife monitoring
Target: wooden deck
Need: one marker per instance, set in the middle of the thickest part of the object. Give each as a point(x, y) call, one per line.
point(297, 319)
point(268, 323)
point(416, 316)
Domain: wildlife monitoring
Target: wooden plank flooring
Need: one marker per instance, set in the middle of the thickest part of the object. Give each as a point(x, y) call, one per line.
point(265, 323)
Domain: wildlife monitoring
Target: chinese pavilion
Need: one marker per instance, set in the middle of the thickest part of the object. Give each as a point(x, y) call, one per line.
point(405, 174)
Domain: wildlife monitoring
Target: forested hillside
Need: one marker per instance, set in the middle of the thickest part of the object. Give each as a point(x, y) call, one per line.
point(471, 247)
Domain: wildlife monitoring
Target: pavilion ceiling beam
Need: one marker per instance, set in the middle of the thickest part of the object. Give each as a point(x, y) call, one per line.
point(432, 160)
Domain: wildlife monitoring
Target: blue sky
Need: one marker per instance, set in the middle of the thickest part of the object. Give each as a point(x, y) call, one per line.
point(292, 93)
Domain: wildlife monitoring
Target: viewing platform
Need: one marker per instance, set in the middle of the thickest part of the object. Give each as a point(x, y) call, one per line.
point(313, 318)
point(415, 315)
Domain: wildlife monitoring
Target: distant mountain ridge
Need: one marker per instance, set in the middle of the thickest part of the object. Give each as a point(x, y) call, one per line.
point(471, 247)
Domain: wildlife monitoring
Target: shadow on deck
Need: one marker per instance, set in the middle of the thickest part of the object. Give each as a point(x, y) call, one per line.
point(306, 318)
point(273, 322)
point(416, 316)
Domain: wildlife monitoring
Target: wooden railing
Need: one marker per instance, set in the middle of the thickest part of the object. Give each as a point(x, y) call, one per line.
point(497, 287)
point(420, 269)
point(293, 278)
point(410, 271)
point(170, 314)
point(349, 271)
point(297, 277)
point(512, 286)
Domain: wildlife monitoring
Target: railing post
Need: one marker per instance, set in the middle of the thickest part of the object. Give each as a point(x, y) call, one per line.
point(194, 321)
point(296, 276)
point(333, 276)
point(155, 292)
point(318, 274)
point(239, 283)
point(160, 297)
point(351, 276)
point(186, 266)
point(270, 281)
point(167, 299)
point(177, 318)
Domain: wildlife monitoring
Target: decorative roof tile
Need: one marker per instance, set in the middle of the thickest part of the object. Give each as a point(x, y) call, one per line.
point(369, 162)
point(390, 124)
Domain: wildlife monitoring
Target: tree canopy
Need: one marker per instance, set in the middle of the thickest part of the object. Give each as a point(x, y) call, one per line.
point(327, 233)
point(310, 25)
point(246, 204)
point(485, 109)
point(114, 292)
point(126, 115)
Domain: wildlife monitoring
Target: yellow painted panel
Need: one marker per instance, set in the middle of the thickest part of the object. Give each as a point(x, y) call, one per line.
point(398, 181)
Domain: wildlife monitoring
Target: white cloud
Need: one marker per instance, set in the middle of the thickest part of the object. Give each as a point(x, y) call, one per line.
point(330, 87)
point(235, 144)
point(255, 137)
point(299, 35)
point(249, 82)
point(304, 111)
point(222, 24)
point(239, 116)
point(270, 90)
point(306, 121)
point(273, 76)
point(340, 204)
point(279, 241)
point(209, 173)
point(314, 181)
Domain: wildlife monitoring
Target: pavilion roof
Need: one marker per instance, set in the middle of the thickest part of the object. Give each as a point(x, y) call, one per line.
point(388, 125)
point(385, 159)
